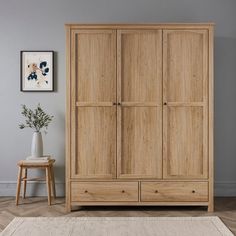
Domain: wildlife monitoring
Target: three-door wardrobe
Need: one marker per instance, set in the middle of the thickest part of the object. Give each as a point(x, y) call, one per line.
point(139, 125)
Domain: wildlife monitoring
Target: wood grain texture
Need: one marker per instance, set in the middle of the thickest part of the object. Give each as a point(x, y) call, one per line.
point(95, 65)
point(48, 183)
point(133, 204)
point(53, 182)
point(184, 155)
point(141, 143)
point(185, 115)
point(141, 106)
point(104, 191)
point(73, 109)
point(139, 90)
point(20, 169)
point(185, 64)
point(140, 26)
point(24, 182)
point(174, 191)
point(94, 79)
point(94, 104)
point(211, 119)
point(141, 62)
point(96, 143)
point(35, 164)
point(24, 165)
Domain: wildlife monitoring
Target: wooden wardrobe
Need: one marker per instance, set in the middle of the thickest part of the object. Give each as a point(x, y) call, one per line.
point(139, 114)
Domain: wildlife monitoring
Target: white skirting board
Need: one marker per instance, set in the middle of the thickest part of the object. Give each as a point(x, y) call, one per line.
point(8, 188)
point(33, 189)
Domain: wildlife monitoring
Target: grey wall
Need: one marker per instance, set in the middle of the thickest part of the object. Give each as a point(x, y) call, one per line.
point(39, 25)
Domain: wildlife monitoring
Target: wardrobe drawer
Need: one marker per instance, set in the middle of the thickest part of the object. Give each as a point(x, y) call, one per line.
point(104, 191)
point(174, 191)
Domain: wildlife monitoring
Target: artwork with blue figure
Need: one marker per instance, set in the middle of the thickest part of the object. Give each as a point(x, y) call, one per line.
point(33, 70)
point(36, 71)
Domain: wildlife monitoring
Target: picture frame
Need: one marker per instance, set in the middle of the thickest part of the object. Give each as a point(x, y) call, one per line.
point(37, 71)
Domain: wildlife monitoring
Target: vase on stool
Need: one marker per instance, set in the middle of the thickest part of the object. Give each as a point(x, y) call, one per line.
point(37, 145)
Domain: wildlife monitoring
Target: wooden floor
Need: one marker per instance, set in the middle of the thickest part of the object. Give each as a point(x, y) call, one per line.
point(225, 208)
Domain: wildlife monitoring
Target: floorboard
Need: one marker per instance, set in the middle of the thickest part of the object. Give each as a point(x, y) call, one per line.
point(225, 208)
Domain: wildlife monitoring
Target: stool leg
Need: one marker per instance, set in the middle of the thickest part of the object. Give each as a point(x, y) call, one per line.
point(48, 184)
point(18, 184)
point(25, 182)
point(53, 182)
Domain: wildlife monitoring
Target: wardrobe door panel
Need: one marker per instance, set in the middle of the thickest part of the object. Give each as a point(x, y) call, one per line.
point(141, 147)
point(93, 114)
point(185, 100)
point(96, 65)
point(139, 93)
point(95, 143)
point(186, 151)
point(140, 65)
point(185, 65)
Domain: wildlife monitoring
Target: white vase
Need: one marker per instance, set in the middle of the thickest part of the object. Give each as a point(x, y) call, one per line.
point(37, 145)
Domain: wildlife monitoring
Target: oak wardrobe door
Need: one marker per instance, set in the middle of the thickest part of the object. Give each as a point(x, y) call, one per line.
point(139, 93)
point(185, 110)
point(93, 113)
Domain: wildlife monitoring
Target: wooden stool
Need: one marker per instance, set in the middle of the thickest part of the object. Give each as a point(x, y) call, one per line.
point(50, 181)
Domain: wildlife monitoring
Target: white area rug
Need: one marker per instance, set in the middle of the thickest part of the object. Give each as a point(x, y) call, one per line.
point(116, 226)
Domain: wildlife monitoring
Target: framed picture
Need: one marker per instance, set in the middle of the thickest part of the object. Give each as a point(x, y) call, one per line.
point(37, 71)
